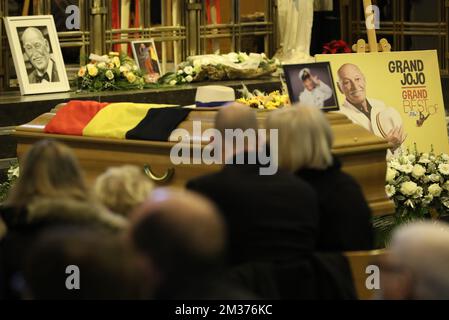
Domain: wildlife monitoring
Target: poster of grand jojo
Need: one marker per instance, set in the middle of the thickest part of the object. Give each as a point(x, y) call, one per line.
point(395, 95)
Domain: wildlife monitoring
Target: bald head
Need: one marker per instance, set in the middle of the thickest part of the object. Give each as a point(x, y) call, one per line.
point(178, 224)
point(235, 116)
point(351, 82)
point(32, 33)
point(36, 48)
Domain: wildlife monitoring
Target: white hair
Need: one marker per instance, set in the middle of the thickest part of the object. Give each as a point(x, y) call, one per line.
point(122, 189)
point(423, 249)
point(305, 138)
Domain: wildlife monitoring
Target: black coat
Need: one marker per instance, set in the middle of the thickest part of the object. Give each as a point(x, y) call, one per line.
point(270, 218)
point(345, 217)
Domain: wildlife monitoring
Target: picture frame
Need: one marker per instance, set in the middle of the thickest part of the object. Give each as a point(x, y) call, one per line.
point(36, 54)
point(146, 57)
point(312, 84)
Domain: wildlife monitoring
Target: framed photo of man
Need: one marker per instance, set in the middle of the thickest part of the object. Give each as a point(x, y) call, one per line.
point(311, 84)
point(145, 55)
point(36, 54)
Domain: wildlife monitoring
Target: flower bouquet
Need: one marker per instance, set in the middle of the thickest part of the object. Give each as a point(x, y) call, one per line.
point(262, 101)
point(336, 46)
point(221, 67)
point(418, 183)
point(111, 72)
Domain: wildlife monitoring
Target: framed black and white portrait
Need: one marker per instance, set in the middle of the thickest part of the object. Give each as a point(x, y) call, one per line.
point(146, 57)
point(37, 54)
point(311, 84)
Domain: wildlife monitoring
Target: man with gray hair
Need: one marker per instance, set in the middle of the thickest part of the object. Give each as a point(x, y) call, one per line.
point(417, 266)
point(37, 50)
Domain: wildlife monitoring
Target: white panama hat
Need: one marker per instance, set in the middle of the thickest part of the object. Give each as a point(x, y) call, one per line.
point(386, 120)
point(214, 96)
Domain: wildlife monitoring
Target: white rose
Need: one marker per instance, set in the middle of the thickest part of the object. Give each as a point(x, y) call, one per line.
point(445, 157)
point(434, 177)
point(391, 175)
point(180, 72)
point(188, 70)
point(404, 159)
point(395, 164)
point(424, 158)
point(406, 168)
point(419, 193)
point(418, 171)
point(411, 158)
point(444, 168)
point(446, 185)
point(409, 188)
point(124, 69)
point(435, 190)
point(109, 74)
point(390, 190)
point(173, 82)
point(189, 78)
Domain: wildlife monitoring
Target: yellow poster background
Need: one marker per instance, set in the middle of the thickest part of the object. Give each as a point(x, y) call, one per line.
point(383, 85)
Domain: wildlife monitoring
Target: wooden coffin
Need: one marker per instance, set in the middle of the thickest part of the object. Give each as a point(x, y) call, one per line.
point(362, 153)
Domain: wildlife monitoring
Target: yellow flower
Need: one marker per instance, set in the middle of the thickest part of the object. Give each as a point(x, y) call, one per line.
point(92, 70)
point(101, 65)
point(109, 74)
point(131, 77)
point(116, 61)
point(82, 72)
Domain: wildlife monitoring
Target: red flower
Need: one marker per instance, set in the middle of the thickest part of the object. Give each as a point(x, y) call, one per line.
point(336, 46)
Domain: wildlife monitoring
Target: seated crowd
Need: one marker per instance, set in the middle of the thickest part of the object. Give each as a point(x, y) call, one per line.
point(233, 234)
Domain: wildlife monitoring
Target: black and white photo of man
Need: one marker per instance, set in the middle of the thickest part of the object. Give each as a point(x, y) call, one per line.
point(38, 52)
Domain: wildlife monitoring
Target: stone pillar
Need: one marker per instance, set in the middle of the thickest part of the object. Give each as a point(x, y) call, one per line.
point(98, 27)
point(194, 11)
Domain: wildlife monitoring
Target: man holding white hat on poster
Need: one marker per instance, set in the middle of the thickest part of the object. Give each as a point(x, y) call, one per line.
point(316, 92)
point(373, 115)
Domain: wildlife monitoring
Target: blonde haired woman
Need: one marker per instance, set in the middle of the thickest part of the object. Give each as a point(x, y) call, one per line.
point(49, 175)
point(305, 148)
point(122, 189)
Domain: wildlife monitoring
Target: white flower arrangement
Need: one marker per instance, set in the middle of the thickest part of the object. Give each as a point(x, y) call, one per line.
point(221, 67)
point(418, 183)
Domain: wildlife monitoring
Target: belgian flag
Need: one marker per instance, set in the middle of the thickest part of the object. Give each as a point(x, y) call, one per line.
point(124, 120)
